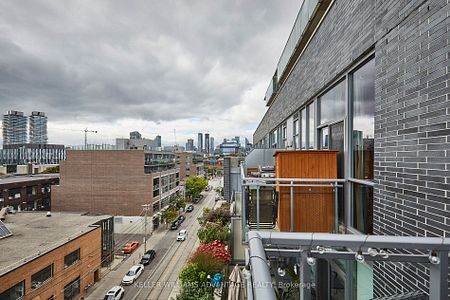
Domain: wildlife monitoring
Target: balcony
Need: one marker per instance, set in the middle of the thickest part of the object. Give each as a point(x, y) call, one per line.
point(287, 228)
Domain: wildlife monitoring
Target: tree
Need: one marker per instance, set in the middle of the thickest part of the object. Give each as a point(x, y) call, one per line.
point(169, 215)
point(195, 185)
point(212, 232)
point(180, 202)
point(51, 170)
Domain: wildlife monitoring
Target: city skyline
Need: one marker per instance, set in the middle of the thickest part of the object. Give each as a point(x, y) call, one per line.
point(103, 81)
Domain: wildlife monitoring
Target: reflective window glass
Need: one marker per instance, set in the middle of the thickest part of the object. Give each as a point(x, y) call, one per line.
point(332, 104)
point(363, 121)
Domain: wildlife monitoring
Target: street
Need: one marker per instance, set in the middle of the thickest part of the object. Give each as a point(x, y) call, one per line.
point(160, 278)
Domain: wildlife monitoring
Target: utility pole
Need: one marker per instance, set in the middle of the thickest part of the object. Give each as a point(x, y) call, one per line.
point(146, 206)
point(85, 136)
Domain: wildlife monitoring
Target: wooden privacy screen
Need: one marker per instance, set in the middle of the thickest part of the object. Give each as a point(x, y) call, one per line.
point(313, 206)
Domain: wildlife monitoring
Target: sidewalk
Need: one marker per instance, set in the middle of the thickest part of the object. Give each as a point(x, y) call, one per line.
point(119, 267)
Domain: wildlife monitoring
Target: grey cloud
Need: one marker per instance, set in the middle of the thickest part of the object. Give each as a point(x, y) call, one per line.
point(154, 60)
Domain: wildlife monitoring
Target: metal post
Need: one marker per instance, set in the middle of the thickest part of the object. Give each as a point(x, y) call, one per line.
point(438, 277)
point(292, 208)
point(305, 278)
point(145, 227)
point(257, 208)
point(336, 208)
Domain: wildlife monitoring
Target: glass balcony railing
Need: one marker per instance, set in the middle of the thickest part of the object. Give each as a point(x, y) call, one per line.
point(304, 16)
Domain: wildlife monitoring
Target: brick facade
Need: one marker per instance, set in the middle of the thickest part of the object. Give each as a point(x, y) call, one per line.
point(412, 131)
point(106, 182)
point(90, 262)
point(410, 41)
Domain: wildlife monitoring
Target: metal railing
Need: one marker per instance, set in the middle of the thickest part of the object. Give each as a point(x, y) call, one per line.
point(258, 182)
point(302, 245)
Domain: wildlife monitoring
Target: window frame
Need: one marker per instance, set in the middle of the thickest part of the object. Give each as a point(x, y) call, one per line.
point(46, 280)
point(75, 261)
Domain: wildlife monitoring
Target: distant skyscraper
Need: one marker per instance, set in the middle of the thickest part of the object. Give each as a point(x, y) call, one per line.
point(207, 143)
point(190, 145)
point(14, 128)
point(135, 135)
point(158, 141)
point(38, 128)
point(211, 145)
point(200, 143)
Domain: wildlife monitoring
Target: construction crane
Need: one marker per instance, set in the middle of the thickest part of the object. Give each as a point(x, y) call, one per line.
point(85, 137)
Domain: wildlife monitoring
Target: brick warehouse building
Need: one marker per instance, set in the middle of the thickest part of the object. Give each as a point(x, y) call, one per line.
point(27, 192)
point(57, 257)
point(116, 182)
point(371, 80)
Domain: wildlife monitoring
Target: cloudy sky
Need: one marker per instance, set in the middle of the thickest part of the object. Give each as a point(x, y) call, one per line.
point(152, 66)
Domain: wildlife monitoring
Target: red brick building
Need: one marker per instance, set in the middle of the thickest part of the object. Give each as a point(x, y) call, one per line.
point(116, 182)
point(53, 257)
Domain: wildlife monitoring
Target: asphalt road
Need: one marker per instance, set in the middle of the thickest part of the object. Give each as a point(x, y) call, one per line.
point(160, 278)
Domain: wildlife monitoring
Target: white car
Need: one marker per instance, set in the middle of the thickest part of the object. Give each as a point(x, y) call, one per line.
point(132, 274)
point(115, 293)
point(182, 235)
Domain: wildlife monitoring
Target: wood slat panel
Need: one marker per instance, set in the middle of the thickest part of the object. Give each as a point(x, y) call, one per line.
point(313, 206)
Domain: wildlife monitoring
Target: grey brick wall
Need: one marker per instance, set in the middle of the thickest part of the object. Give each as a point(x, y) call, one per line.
point(346, 33)
point(412, 118)
point(412, 131)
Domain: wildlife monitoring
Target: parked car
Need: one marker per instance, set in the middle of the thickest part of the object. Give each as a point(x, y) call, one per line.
point(181, 219)
point(189, 208)
point(115, 293)
point(130, 247)
point(148, 257)
point(182, 235)
point(133, 274)
point(196, 200)
point(174, 225)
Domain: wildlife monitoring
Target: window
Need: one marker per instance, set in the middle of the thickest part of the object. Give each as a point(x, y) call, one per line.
point(324, 138)
point(303, 128)
point(363, 208)
point(273, 139)
point(72, 258)
point(363, 121)
point(284, 135)
point(15, 292)
point(296, 134)
point(312, 126)
point(72, 289)
point(332, 104)
point(41, 277)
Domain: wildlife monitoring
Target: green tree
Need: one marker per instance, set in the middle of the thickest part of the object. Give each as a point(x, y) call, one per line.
point(180, 202)
point(169, 215)
point(213, 231)
point(51, 170)
point(195, 185)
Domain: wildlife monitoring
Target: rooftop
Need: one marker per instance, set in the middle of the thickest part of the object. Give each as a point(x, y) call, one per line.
point(17, 179)
point(36, 233)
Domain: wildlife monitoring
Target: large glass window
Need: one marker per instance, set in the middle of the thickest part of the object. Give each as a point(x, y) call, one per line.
point(41, 277)
point(15, 292)
point(72, 289)
point(363, 208)
point(273, 139)
point(296, 134)
point(332, 104)
point(363, 121)
point(303, 128)
point(72, 258)
point(312, 126)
